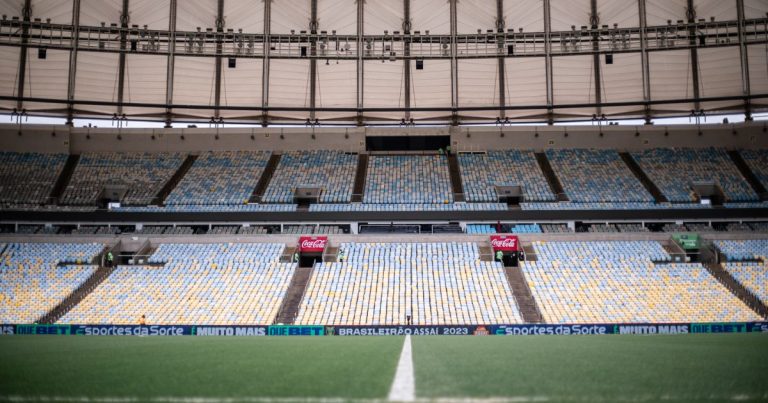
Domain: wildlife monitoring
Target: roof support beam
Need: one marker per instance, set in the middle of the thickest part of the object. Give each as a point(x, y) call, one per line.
point(454, 67)
point(548, 62)
point(26, 13)
point(124, 20)
point(360, 76)
point(170, 66)
point(407, 62)
point(744, 61)
point(690, 12)
point(313, 25)
point(219, 45)
point(645, 62)
point(501, 71)
point(594, 21)
point(73, 62)
point(265, 63)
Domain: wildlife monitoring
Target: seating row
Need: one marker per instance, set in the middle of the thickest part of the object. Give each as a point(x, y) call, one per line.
point(385, 283)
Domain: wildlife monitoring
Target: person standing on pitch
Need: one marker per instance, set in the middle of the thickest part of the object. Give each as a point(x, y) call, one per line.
point(110, 259)
point(499, 256)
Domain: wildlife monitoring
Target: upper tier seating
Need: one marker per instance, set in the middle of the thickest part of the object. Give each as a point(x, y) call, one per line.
point(143, 174)
point(28, 178)
point(333, 171)
point(674, 170)
point(751, 274)
point(408, 179)
point(481, 172)
point(757, 160)
point(220, 178)
point(617, 282)
point(35, 277)
point(593, 176)
point(434, 283)
point(202, 284)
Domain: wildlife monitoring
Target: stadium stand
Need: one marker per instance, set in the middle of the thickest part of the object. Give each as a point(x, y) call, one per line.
point(333, 171)
point(757, 160)
point(605, 228)
point(408, 179)
point(219, 178)
point(555, 228)
point(746, 262)
point(596, 176)
point(35, 277)
point(673, 170)
point(213, 284)
point(480, 173)
point(409, 207)
point(626, 282)
point(186, 208)
point(631, 228)
point(480, 229)
point(143, 175)
point(434, 283)
point(28, 178)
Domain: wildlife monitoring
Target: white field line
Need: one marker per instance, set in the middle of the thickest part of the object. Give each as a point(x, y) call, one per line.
point(403, 386)
point(509, 399)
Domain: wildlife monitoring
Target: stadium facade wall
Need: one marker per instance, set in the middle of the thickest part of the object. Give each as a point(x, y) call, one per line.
point(41, 138)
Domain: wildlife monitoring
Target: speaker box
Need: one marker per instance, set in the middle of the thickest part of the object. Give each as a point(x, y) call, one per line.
point(608, 59)
point(510, 49)
point(232, 63)
point(419, 64)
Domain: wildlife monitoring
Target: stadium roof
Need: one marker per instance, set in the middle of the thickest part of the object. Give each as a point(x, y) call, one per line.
point(428, 60)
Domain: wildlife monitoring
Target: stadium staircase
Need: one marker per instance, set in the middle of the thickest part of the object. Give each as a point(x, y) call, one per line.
point(79, 293)
point(362, 171)
point(747, 173)
point(331, 254)
point(287, 256)
point(530, 253)
point(643, 178)
point(674, 250)
point(63, 180)
point(266, 177)
point(552, 179)
point(726, 279)
point(453, 169)
point(526, 303)
point(486, 253)
point(289, 309)
point(175, 179)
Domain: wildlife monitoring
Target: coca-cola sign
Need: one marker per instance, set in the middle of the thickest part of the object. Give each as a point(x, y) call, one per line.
point(312, 243)
point(506, 243)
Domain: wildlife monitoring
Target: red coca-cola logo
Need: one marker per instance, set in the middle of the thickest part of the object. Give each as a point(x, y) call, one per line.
point(313, 244)
point(508, 243)
point(504, 243)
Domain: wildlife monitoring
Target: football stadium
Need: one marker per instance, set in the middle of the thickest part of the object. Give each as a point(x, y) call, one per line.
point(209, 201)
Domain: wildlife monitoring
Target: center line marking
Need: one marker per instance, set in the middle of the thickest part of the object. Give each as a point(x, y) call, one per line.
point(403, 386)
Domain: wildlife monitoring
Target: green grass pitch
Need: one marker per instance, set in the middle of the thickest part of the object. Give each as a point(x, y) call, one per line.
point(719, 367)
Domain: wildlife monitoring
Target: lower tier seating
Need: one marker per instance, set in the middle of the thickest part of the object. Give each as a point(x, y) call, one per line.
point(747, 263)
point(35, 277)
point(618, 282)
point(434, 283)
point(202, 284)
